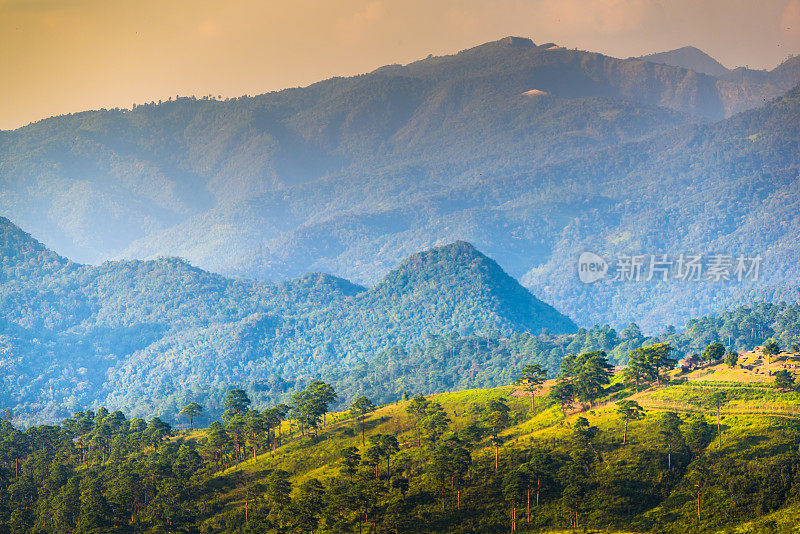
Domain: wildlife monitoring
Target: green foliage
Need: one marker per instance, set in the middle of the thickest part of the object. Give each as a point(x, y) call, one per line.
point(714, 352)
point(139, 319)
point(588, 373)
point(784, 379)
point(562, 392)
point(629, 410)
point(360, 408)
point(481, 472)
point(236, 403)
point(771, 348)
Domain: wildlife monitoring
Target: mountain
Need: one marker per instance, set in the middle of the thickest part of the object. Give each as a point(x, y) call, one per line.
point(135, 333)
point(690, 58)
point(352, 175)
point(727, 189)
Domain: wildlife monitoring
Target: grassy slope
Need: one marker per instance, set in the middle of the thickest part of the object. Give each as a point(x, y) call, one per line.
point(755, 413)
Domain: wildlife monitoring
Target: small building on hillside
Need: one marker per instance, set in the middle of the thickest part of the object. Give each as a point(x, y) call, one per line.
point(688, 363)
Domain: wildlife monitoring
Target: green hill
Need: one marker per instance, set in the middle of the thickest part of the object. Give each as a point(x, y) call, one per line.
point(469, 461)
point(136, 334)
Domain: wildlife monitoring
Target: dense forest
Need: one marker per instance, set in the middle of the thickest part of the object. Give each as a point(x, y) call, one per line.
point(132, 334)
point(149, 337)
point(592, 451)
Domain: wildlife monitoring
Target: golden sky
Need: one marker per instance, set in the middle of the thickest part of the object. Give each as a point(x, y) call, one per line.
point(60, 56)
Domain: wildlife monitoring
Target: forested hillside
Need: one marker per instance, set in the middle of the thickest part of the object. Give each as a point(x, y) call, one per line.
point(648, 449)
point(135, 333)
point(151, 336)
point(352, 175)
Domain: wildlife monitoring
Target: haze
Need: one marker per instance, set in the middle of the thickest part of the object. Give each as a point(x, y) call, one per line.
point(60, 57)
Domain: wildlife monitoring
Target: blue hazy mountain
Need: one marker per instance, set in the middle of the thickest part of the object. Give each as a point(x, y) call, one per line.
point(132, 333)
point(497, 145)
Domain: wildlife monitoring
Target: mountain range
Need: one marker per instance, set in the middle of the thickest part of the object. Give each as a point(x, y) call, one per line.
point(534, 153)
point(133, 333)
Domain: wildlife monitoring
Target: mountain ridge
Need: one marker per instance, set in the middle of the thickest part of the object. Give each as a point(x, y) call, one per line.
point(352, 175)
point(135, 332)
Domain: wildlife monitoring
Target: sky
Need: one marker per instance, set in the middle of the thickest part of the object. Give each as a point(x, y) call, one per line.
point(62, 56)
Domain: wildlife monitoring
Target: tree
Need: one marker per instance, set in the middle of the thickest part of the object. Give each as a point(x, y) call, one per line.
point(450, 462)
point(416, 409)
point(14, 445)
point(660, 355)
point(496, 418)
point(645, 363)
point(584, 434)
point(716, 400)
point(306, 411)
point(784, 380)
point(156, 431)
point(278, 493)
point(389, 447)
point(350, 460)
point(322, 395)
point(713, 352)
point(563, 392)
point(629, 410)
point(732, 358)
point(310, 501)
point(192, 410)
point(770, 349)
point(310, 405)
point(237, 429)
point(539, 468)
point(255, 426)
point(531, 378)
point(236, 403)
point(593, 373)
point(515, 487)
point(435, 422)
point(361, 407)
point(698, 434)
point(638, 370)
point(217, 441)
point(669, 430)
point(372, 456)
point(94, 510)
point(187, 462)
point(273, 417)
point(575, 477)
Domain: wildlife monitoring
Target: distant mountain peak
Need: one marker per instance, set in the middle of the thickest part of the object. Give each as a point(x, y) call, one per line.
point(516, 42)
point(458, 252)
point(688, 57)
point(457, 276)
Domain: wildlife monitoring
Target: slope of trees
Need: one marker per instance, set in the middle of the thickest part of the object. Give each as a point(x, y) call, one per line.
point(455, 463)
